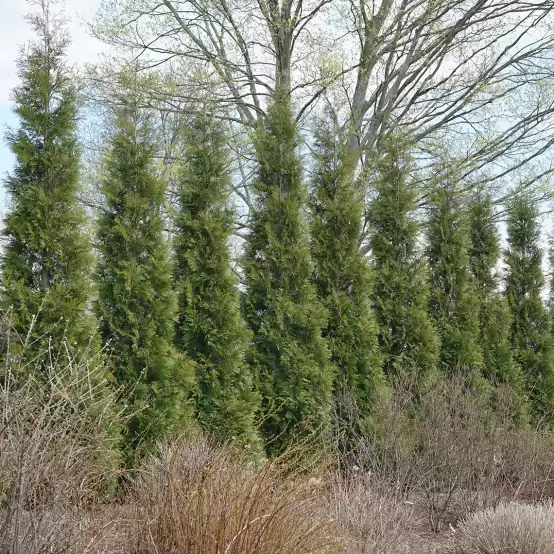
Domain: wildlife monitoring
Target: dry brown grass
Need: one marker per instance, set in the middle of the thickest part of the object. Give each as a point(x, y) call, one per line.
point(507, 529)
point(193, 497)
point(432, 463)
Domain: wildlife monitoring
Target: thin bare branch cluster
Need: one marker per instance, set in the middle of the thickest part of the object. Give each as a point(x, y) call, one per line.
point(474, 75)
point(59, 429)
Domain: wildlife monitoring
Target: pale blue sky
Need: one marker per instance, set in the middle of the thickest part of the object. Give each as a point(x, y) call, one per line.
point(14, 32)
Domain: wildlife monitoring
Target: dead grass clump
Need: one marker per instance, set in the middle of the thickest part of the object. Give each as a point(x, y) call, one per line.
point(193, 497)
point(509, 528)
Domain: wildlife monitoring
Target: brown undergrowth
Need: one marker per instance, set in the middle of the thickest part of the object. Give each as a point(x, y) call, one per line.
point(409, 484)
point(193, 497)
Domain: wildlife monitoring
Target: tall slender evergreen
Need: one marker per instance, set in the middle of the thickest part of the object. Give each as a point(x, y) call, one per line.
point(210, 327)
point(454, 304)
point(494, 314)
point(289, 357)
point(343, 275)
point(551, 280)
point(47, 258)
point(530, 333)
point(136, 304)
point(407, 335)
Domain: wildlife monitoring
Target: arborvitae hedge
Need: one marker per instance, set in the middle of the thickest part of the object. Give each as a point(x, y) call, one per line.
point(551, 280)
point(210, 327)
point(407, 336)
point(495, 322)
point(289, 357)
point(136, 305)
point(343, 275)
point(47, 258)
point(530, 334)
point(453, 304)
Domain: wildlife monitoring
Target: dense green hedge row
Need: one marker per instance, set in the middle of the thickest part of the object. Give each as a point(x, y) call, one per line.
point(329, 312)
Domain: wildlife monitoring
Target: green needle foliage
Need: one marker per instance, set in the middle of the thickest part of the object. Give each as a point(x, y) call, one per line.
point(289, 357)
point(343, 275)
point(494, 314)
point(136, 304)
point(210, 328)
point(551, 280)
point(407, 335)
point(531, 327)
point(47, 259)
point(454, 304)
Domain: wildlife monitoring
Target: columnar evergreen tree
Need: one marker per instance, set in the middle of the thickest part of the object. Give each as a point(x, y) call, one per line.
point(407, 335)
point(210, 327)
point(47, 258)
point(453, 304)
point(343, 275)
point(530, 333)
point(289, 357)
point(136, 304)
point(494, 314)
point(551, 280)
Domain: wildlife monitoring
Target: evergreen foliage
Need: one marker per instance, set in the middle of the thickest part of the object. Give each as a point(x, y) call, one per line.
point(343, 275)
point(454, 304)
point(551, 280)
point(494, 314)
point(407, 336)
point(136, 304)
point(47, 258)
point(530, 333)
point(289, 357)
point(210, 327)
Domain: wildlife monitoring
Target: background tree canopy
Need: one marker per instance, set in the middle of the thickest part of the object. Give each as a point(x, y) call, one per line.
point(293, 205)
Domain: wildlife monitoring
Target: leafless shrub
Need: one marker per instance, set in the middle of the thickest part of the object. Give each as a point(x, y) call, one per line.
point(527, 462)
point(58, 458)
point(452, 454)
point(371, 521)
point(193, 497)
point(508, 528)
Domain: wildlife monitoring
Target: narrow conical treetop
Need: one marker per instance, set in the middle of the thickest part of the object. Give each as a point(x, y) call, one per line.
point(454, 304)
point(343, 275)
point(407, 335)
point(136, 304)
point(499, 366)
point(47, 258)
point(210, 327)
point(289, 357)
point(530, 334)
